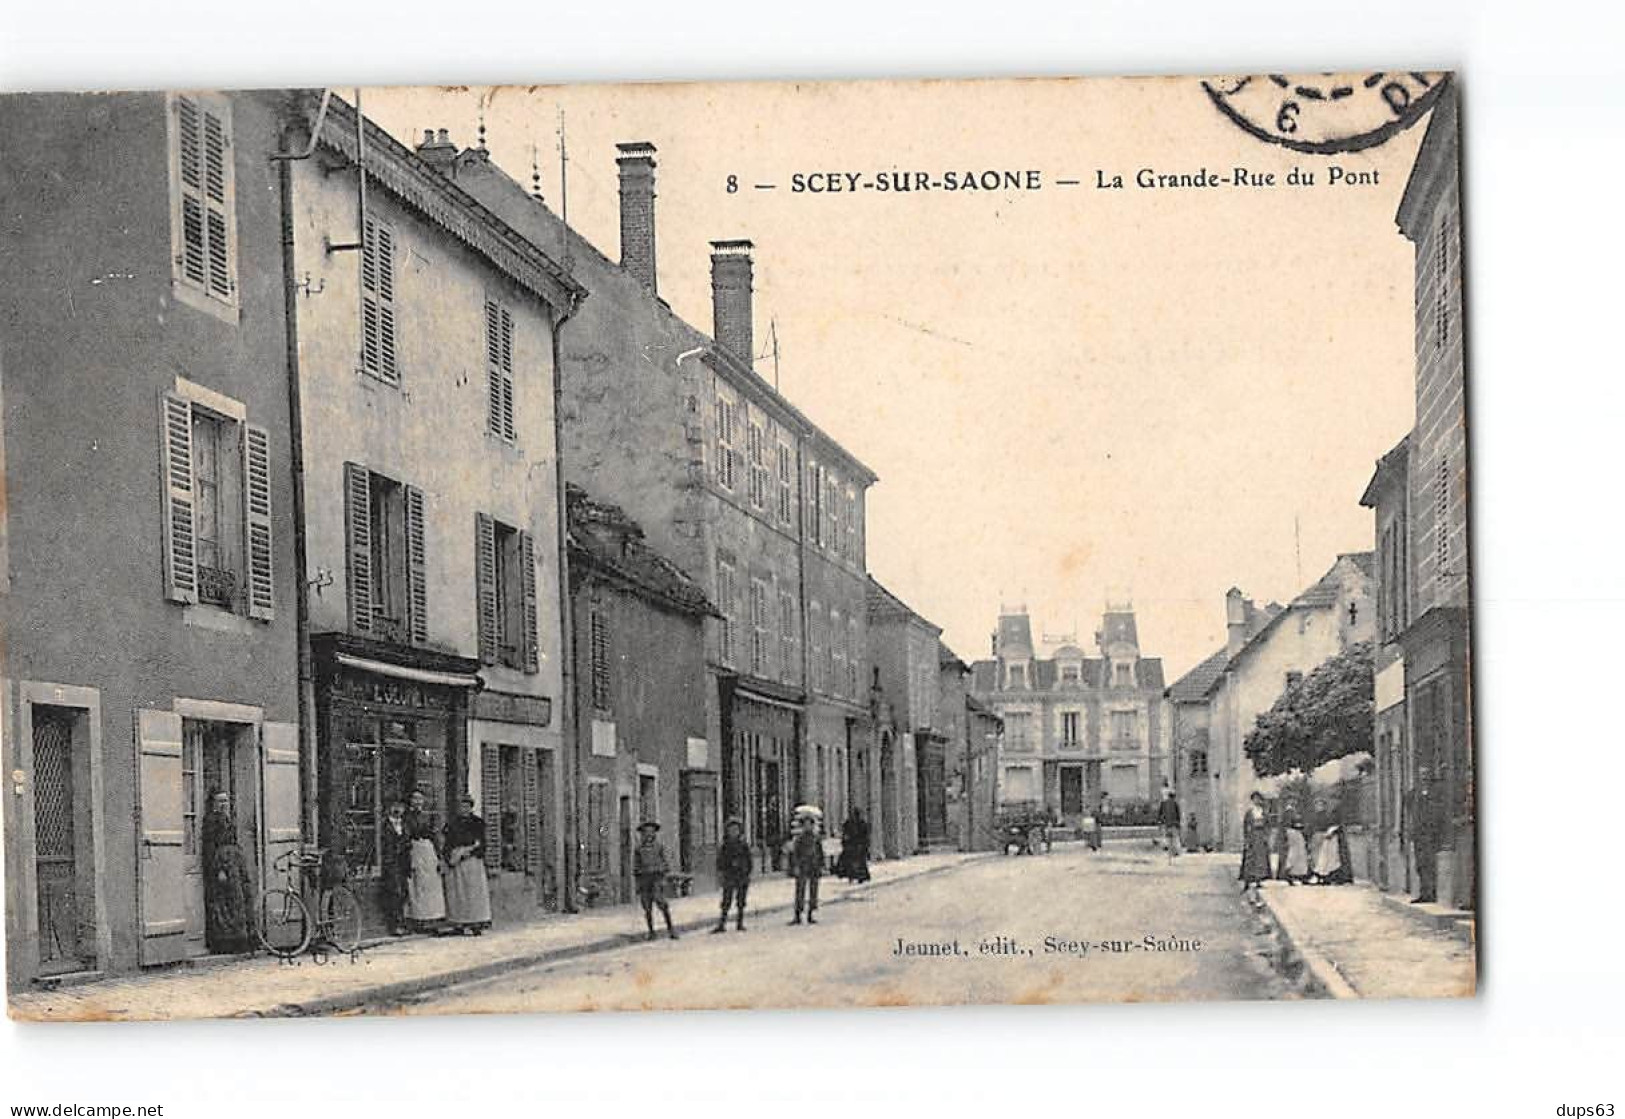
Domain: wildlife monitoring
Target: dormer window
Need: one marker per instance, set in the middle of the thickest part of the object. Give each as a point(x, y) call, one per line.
point(1122, 676)
point(1071, 676)
point(1015, 676)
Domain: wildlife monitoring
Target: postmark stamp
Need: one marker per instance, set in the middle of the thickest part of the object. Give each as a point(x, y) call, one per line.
point(1326, 113)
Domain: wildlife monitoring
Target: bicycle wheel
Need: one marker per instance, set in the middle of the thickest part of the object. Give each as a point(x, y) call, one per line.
point(284, 923)
point(341, 919)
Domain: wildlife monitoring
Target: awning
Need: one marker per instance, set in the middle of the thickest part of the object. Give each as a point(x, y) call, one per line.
point(401, 672)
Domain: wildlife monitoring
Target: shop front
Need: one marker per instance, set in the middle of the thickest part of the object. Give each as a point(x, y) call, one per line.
point(762, 774)
point(391, 721)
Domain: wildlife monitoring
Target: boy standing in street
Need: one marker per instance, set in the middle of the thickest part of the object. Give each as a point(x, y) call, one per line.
point(649, 867)
point(733, 872)
point(807, 862)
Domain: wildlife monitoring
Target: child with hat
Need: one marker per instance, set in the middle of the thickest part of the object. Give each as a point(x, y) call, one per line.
point(733, 873)
point(649, 867)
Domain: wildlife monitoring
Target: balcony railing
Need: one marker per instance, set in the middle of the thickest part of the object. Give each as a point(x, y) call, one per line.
point(216, 585)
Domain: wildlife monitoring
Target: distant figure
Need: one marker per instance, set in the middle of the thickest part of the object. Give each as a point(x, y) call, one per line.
point(1421, 827)
point(425, 895)
point(227, 928)
point(1332, 858)
point(1255, 845)
point(650, 868)
point(733, 873)
point(807, 863)
point(395, 867)
point(1192, 840)
point(468, 895)
point(1295, 863)
point(854, 861)
point(1168, 820)
point(1099, 834)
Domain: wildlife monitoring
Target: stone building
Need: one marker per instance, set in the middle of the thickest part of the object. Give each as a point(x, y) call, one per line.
point(147, 575)
point(1077, 728)
point(1388, 495)
point(750, 498)
point(639, 642)
point(903, 652)
point(972, 740)
point(426, 334)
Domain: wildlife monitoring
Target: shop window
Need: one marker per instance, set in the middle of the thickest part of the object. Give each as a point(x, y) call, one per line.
point(384, 763)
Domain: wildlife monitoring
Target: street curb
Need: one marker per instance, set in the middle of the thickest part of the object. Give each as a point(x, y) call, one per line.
point(1460, 923)
point(379, 997)
point(1318, 976)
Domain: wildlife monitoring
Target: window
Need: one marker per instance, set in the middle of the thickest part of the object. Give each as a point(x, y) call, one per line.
point(727, 606)
point(1071, 676)
point(837, 652)
point(1441, 517)
point(648, 799)
point(385, 557)
point(852, 648)
point(727, 465)
point(1122, 676)
point(505, 574)
point(378, 303)
point(760, 638)
point(381, 764)
point(786, 477)
point(217, 508)
point(787, 636)
point(1016, 676)
point(1070, 738)
point(815, 503)
point(1122, 730)
point(499, 370)
point(832, 513)
point(203, 198)
point(1198, 763)
point(598, 638)
point(853, 552)
point(817, 624)
point(1393, 590)
point(1018, 731)
point(756, 445)
point(513, 802)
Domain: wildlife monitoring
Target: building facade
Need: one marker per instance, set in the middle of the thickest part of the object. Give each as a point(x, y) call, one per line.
point(1388, 496)
point(429, 458)
point(639, 641)
point(905, 655)
point(1078, 729)
point(148, 480)
point(729, 481)
point(972, 739)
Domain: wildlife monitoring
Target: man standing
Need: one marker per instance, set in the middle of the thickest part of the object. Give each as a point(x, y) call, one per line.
point(807, 864)
point(1422, 824)
point(650, 868)
point(733, 873)
point(1168, 820)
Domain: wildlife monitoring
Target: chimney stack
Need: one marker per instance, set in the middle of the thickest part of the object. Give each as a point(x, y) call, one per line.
point(1238, 613)
point(437, 150)
point(730, 298)
point(637, 164)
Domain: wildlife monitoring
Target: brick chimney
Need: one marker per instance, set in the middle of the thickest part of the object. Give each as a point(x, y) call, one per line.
point(437, 150)
point(730, 298)
point(1238, 615)
point(637, 164)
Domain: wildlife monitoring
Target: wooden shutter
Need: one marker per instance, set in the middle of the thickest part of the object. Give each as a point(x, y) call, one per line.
point(205, 249)
point(491, 802)
point(161, 812)
point(499, 369)
point(485, 576)
point(417, 564)
point(257, 522)
point(527, 577)
point(378, 303)
point(180, 501)
point(530, 798)
point(358, 546)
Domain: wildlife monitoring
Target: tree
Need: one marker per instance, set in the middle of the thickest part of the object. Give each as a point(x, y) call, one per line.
point(1318, 718)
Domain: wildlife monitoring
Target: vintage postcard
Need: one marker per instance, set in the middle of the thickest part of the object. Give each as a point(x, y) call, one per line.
point(735, 546)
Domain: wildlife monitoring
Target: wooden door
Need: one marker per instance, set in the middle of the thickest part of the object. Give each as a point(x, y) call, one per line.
point(625, 832)
point(161, 865)
point(279, 794)
point(1071, 791)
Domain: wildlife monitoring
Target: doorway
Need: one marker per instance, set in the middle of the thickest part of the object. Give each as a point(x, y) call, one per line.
point(64, 871)
point(216, 757)
point(1071, 792)
point(625, 832)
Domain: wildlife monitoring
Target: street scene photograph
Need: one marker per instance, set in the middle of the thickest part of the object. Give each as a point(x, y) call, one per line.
point(736, 546)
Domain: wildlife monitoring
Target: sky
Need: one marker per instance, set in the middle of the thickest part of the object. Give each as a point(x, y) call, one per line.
point(1068, 393)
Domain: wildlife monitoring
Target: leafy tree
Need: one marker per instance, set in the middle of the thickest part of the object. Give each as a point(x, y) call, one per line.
point(1318, 718)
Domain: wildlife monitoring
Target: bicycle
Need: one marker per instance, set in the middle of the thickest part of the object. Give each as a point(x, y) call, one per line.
point(286, 926)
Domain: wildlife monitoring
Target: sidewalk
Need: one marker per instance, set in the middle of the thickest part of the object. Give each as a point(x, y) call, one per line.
point(1355, 942)
point(265, 987)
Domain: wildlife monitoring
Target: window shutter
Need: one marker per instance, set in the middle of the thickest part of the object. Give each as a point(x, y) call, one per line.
point(527, 575)
point(530, 798)
point(358, 545)
point(378, 303)
point(192, 252)
point(485, 575)
point(205, 248)
point(180, 508)
point(491, 802)
point(257, 521)
point(417, 564)
point(216, 176)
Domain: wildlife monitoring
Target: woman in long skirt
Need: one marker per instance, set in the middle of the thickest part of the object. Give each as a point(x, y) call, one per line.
point(468, 896)
point(225, 881)
point(1296, 867)
point(425, 898)
point(1255, 845)
point(854, 864)
point(1332, 859)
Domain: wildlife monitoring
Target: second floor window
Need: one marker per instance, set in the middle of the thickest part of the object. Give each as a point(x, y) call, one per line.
point(378, 303)
point(1070, 736)
point(756, 445)
point(726, 605)
point(505, 574)
point(203, 197)
point(787, 636)
point(1018, 731)
point(385, 557)
point(727, 466)
point(837, 652)
point(786, 479)
point(1122, 730)
point(499, 370)
point(760, 638)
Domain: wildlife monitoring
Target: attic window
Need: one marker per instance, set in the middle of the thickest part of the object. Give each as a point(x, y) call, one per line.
point(1354, 613)
point(1070, 676)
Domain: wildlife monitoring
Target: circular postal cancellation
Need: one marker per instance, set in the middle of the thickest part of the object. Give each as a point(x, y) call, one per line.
point(1326, 113)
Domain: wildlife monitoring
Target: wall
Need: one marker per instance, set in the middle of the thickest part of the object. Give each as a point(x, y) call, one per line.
point(88, 347)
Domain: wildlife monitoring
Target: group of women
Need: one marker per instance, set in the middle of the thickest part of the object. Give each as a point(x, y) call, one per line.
point(1284, 850)
point(435, 883)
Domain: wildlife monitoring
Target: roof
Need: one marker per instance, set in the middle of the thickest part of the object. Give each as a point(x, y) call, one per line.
point(605, 538)
point(1329, 587)
point(395, 168)
point(1193, 686)
point(1391, 470)
point(1046, 675)
point(883, 604)
point(1434, 165)
point(947, 658)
